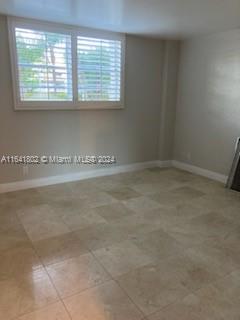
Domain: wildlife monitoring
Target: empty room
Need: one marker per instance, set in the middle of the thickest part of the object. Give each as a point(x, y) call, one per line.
point(120, 160)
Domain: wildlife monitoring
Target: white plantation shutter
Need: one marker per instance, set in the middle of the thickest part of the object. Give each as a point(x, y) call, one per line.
point(44, 62)
point(99, 69)
point(64, 67)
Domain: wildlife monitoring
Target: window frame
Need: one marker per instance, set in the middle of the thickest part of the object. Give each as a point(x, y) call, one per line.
point(74, 32)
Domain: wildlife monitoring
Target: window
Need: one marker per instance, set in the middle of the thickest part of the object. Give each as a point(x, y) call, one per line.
point(99, 69)
point(65, 68)
point(44, 65)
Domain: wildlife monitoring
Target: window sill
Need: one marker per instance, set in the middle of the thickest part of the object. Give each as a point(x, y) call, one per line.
point(70, 108)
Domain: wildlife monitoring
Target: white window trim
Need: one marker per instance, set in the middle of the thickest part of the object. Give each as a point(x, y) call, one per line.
point(14, 22)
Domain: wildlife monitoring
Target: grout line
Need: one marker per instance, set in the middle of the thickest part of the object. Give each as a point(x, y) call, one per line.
point(46, 265)
point(113, 279)
point(50, 279)
point(194, 292)
point(58, 294)
point(86, 289)
point(44, 268)
point(65, 307)
point(76, 293)
point(144, 315)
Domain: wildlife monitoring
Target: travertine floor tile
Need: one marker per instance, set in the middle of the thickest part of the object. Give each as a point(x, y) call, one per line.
point(181, 176)
point(232, 213)
point(194, 231)
point(13, 237)
point(121, 258)
point(86, 217)
point(77, 274)
point(56, 249)
point(186, 236)
point(208, 186)
point(114, 212)
point(223, 296)
point(158, 245)
point(192, 275)
point(42, 222)
point(158, 176)
point(188, 193)
point(150, 220)
point(189, 308)
point(124, 193)
point(105, 302)
point(104, 235)
point(108, 183)
point(182, 212)
point(84, 189)
point(176, 196)
point(72, 204)
point(100, 198)
point(141, 204)
point(229, 286)
point(151, 288)
point(212, 202)
point(20, 195)
point(25, 294)
point(130, 178)
point(24, 198)
point(214, 257)
point(230, 244)
point(212, 223)
point(17, 261)
point(9, 221)
point(55, 192)
point(139, 223)
point(54, 311)
point(155, 187)
point(170, 239)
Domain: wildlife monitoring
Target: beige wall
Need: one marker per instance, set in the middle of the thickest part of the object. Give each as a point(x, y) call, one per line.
point(168, 99)
point(208, 110)
point(132, 134)
point(207, 113)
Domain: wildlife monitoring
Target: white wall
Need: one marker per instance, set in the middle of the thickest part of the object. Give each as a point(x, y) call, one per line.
point(132, 134)
point(208, 108)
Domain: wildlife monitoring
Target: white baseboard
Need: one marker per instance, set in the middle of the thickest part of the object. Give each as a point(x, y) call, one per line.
point(164, 163)
point(202, 172)
point(27, 184)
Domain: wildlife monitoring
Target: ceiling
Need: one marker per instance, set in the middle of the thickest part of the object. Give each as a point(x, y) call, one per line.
point(156, 18)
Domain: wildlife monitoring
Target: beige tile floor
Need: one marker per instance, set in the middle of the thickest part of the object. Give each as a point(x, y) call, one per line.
point(158, 244)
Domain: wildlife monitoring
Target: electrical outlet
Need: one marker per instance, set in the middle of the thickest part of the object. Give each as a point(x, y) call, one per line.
point(25, 170)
